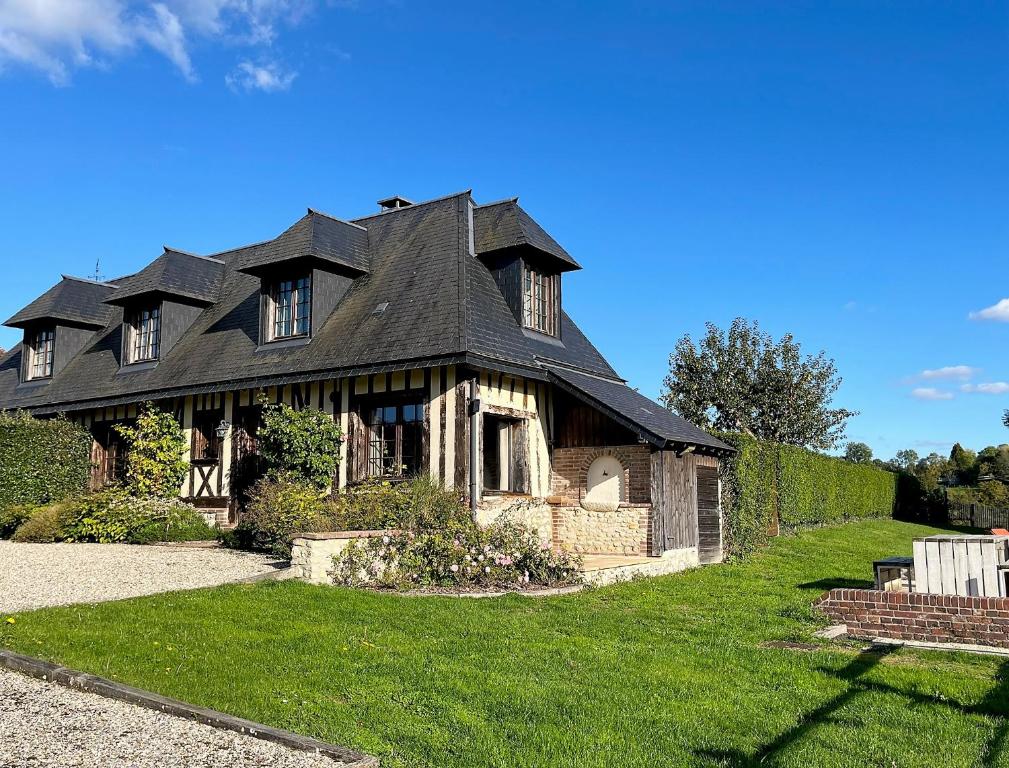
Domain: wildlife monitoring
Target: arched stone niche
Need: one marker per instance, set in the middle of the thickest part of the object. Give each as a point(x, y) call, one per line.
point(604, 485)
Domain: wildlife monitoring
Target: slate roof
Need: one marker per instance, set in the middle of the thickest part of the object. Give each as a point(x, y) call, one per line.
point(658, 424)
point(444, 307)
point(505, 225)
point(72, 300)
point(175, 274)
point(316, 237)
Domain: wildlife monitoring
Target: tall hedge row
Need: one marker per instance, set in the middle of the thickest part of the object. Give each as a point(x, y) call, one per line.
point(765, 482)
point(41, 460)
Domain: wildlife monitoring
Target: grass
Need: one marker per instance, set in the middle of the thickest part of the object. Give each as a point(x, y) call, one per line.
point(667, 672)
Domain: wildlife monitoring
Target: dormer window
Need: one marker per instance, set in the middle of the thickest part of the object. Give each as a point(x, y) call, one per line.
point(144, 334)
point(40, 354)
point(290, 308)
point(540, 300)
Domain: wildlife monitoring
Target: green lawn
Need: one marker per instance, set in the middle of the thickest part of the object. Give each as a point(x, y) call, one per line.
point(671, 671)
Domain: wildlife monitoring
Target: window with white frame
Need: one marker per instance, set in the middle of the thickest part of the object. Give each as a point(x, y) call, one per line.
point(40, 354)
point(144, 334)
point(539, 300)
point(290, 304)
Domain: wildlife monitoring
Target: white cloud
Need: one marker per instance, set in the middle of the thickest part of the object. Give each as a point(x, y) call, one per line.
point(930, 393)
point(268, 77)
point(57, 36)
point(987, 387)
point(164, 33)
point(950, 372)
point(999, 312)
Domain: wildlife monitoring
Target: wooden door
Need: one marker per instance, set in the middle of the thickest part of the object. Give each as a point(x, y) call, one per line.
point(709, 518)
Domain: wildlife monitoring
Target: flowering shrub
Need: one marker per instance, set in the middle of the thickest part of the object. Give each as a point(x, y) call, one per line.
point(504, 554)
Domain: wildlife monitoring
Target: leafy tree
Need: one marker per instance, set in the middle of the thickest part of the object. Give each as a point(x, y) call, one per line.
point(744, 381)
point(303, 443)
point(155, 463)
point(931, 469)
point(859, 453)
point(906, 459)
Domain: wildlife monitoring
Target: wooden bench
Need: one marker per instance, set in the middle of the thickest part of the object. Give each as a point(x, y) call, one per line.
point(894, 574)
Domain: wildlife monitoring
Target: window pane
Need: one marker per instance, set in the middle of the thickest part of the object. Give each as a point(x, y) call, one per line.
point(40, 350)
point(395, 439)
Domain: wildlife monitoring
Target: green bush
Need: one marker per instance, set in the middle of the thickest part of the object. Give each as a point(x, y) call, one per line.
point(46, 524)
point(416, 504)
point(303, 443)
point(279, 508)
point(113, 515)
point(41, 460)
point(155, 459)
point(12, 517)
point(764, 482)
point(180, 522)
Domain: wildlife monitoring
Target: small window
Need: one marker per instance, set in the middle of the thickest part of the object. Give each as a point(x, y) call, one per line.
point(290, 309)
point(40, 354)
point(206, 444)
point(395, 447)
point(144, 335)
point(539, 300)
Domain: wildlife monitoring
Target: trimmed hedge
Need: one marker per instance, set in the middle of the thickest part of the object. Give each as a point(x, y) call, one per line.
point(765, 482)
point(41, 460)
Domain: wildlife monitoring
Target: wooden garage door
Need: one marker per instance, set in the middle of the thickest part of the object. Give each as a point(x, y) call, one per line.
point(709, 520)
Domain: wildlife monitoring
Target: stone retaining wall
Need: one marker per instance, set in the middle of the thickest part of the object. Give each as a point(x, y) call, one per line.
point(533, 513)
point(870, 613)
point(624, 531)
point(312, 553)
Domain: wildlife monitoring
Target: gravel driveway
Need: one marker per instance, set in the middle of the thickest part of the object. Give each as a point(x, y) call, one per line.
point(39, 575)
point(45, 725)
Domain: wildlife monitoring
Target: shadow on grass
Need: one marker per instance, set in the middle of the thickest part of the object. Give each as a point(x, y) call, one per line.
point(995, 705)
point(825, 585)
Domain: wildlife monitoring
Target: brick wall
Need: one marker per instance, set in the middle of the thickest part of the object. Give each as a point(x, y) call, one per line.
point(912, 616)
point(570, 469)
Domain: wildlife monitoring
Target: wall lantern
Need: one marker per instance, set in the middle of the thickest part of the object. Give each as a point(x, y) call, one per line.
point(222, 429)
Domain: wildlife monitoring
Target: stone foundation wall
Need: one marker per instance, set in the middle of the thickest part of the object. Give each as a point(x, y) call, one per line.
point(312, 553)
point(535, 514)
point(625, 531)
point(569, 474)
point(870, 613)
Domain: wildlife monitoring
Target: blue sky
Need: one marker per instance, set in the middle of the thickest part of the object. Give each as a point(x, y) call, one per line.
point(837, 169)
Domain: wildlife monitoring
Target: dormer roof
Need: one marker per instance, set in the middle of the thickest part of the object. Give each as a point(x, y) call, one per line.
point(72, 301)
point(504, 224)
point(317, 240)
point(174, 274)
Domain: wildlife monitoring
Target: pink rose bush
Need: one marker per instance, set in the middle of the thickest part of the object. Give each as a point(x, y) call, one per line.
point(461, 554)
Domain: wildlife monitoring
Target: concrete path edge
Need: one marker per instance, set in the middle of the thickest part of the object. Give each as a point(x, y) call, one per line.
point(71, 678)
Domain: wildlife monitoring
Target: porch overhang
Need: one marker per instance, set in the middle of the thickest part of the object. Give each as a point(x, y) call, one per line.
point(654, 424)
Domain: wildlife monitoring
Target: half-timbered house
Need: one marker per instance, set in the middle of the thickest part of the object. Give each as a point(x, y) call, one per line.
point(434, 333)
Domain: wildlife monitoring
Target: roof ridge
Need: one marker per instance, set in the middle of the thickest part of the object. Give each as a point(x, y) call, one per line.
point(335, 218)
point(243, 247)
point(441, 199)
point(89, 281)
point(169, 249)
point(502, 201)
point(551, 363)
